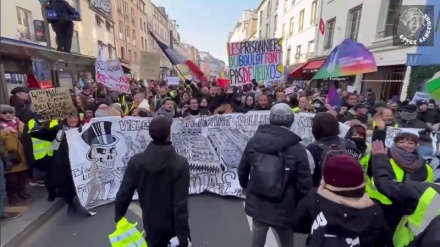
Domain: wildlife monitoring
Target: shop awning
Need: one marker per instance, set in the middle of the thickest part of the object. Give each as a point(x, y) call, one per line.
point(295, 71)
point(313, 66)
point(27, 50)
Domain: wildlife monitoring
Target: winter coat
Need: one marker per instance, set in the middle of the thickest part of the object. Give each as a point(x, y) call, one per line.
point(346, 218)
point(267, 140)
point(317, 154)
point(12, 142)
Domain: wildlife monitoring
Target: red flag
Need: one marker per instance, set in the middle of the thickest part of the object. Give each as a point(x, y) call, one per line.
point(322, 26)
point(223, 83)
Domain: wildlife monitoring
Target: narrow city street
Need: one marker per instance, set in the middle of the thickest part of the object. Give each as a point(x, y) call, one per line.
point(215, 222)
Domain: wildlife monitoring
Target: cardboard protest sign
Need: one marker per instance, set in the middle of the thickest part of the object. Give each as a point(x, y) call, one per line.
point(52, 103)
point(261, 60)
point(150, 65)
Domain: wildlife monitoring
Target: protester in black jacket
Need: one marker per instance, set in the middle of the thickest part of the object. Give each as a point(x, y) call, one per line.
point(339, 207)
point(161, 178)
point(267, 141)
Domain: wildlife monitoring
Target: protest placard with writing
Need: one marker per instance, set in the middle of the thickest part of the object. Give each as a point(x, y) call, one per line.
point(150, 65)
point(110, 74)
point(261, 60)
point(173, 81)
point(52, 103)
point(420, 96)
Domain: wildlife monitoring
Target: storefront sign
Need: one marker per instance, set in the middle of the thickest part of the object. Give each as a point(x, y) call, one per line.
point(39, 32)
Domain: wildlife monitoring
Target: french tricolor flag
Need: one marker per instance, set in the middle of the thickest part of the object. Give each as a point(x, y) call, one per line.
point(175, 58)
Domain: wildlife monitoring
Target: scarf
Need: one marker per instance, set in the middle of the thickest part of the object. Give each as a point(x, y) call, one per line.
point(406, 160)
point(13, 123)
point(168, 114)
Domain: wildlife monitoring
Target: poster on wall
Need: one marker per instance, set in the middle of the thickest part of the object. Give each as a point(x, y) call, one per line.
point(213, 145)
point(261, 60)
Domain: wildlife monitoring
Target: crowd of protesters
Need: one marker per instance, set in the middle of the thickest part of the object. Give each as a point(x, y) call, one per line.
point(340, 191)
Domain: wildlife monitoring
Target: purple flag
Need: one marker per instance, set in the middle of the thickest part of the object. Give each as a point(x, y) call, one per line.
point(333, 98)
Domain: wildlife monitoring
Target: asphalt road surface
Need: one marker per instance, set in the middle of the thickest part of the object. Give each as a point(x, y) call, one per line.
point(214, 221)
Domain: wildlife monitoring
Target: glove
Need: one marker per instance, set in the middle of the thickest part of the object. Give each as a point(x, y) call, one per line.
point(183, 241)
point(187, 81)
point(8, 165)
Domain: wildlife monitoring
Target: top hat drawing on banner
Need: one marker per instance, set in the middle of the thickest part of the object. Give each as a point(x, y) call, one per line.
point(99, 134)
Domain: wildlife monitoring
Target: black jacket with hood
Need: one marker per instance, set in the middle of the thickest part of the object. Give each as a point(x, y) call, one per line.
point(339, 216)
point(271, 139)
point(406, 196)
point(161, 178)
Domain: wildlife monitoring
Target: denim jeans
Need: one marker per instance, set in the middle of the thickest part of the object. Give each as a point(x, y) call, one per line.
point(259, 233)
point(2, 187)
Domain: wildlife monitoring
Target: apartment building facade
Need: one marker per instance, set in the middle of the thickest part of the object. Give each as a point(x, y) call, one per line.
point(246, 27)
point(371, 23)
point(298, 25)
point(267, 19)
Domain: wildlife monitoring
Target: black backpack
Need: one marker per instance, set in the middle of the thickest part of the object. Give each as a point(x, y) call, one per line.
point(332, 150)
point(268, 177)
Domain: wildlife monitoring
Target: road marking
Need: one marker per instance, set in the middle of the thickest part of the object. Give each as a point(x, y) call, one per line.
point(134, 207)
point(271, 240)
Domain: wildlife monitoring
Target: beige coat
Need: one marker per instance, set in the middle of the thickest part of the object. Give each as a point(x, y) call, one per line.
point(11, 141)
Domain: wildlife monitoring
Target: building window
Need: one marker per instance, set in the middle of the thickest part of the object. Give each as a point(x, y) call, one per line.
point(275, 23)
point(122, 52)
point(120, 7)
point(283, 31)
point(25, 24)
point(75, 42)
point(126, 11)
point(135, 57)
point(146, 44)
point(261, 17)
point(129, 55)
point(267, 30)
point(285, 5)
point(259, 34)
point(354, 20)
point(127, 34)
point(142, 42)
point(298, 53)
point(277, 3)
point(132, 16)
point(134, 37)
point(98, 20)
point(313, 15)
point(268, 9)
point(291, 26)
point(310, 48)
point(145, 27)
point(392, 17)
point(293, 3)
point(110, 51)
point(301, 21)
point(76, 5)
point(288, 56)
point(329, 33)
point(121, 30)
point(140, 24)
point(109, 26)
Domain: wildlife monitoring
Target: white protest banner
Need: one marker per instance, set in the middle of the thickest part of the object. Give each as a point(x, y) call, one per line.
point(261, 60)
point(110, 74)
point(420, 96)
point(173, 81)
point(213, 146)
point(150, 65)
point(350, 89)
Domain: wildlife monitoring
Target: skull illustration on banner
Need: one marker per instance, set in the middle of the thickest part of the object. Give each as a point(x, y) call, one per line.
point(105, 179)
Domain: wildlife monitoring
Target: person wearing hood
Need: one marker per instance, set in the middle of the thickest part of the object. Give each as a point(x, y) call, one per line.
point(161, 178)
point(417, 203)
point(407, 118)
point(168, 109)
point(339, 212)
point(273, 193)
point(63, 180)
point(358, 112)
point(319, 105)
point(325, 129)
point(20, 101)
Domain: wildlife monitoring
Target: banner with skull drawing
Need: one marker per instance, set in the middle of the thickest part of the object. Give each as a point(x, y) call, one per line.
point(99, 152)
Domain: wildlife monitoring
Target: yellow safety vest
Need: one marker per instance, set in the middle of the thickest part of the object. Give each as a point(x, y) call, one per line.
point(410, 226)
point(399, 173)
point(127, 235)
point(41, 148)
point(395, 125)
point(366, 158)
point(296, 109)
point(81, 116)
